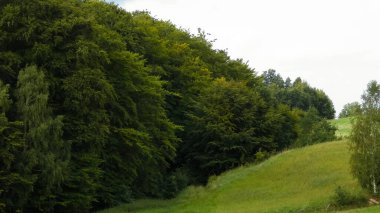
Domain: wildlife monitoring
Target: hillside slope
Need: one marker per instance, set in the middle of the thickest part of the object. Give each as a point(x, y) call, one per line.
point(299, 180)
point(343, 126)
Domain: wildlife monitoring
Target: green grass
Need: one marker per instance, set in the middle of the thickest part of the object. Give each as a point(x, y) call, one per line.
point(374, 209)
point(343, 125)
point(299, 180)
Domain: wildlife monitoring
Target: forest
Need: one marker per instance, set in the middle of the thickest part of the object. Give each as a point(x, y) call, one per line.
point(100, 106)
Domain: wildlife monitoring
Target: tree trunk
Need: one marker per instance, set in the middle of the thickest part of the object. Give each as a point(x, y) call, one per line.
point(374, 185)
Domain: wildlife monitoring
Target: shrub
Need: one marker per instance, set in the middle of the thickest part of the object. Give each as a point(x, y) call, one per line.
point(314, 129)
point(175, 183)
point(343, 198)
point(261, 156)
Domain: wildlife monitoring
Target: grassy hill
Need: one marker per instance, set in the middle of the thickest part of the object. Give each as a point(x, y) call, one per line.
point(343, 125)
point(299, 180)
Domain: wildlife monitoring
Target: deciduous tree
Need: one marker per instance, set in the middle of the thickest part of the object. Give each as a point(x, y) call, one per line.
point(365, 140)
point(46, 151)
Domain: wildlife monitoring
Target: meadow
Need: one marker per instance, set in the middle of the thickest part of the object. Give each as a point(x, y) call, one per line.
point(343, 126)
point(298, 180)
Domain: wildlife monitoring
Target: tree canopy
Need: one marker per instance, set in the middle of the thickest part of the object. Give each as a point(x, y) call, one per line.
point(99, 106)
point(350, 110)
point(365, 139)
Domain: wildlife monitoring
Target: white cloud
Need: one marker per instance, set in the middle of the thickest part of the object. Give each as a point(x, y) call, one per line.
point(333, 44)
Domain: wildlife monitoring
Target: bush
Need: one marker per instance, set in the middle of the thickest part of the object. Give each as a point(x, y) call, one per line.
point(314, 129)
point(175, 183)
point(343, 198)
point(261, 156)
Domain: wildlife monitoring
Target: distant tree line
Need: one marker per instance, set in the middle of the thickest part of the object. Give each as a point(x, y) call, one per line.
point(350, 110)
point(99, 106)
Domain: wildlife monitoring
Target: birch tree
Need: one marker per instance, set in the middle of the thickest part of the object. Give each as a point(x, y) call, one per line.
point(365, 140)
point(47, 154)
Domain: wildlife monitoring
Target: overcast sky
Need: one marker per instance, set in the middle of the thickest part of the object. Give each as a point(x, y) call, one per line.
point(332, 44)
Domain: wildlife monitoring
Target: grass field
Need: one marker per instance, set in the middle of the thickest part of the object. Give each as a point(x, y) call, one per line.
point(344, 128)
point(374, 209)
point(299, 180)
point(343, 125)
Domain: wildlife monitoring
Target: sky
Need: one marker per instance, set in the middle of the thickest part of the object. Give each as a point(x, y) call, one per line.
point(332, 44)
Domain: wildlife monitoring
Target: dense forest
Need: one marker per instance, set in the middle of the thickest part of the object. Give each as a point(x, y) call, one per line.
point(100, 106)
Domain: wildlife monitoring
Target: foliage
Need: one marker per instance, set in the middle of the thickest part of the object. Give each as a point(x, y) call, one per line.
point(283, 124)
point(365, 139)
point(176, 182)
point(15, 183)
point(47, 154)
point(298, 94)
point(100, 106)
point(343, 198)
point(314, 129)
point(305, 180)
point(226, 130)
point(350, 110)
point(270, 77)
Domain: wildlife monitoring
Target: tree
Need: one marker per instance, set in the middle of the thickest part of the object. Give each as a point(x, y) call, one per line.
point(314, 129)
point(282, 123)
point(350, 109)
point(46, 151)
point(271, 77)
point(86, 94)
point(227, 129)
point(15, 185)
point(365, 139)
point(126, 84)
point(302, 96)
